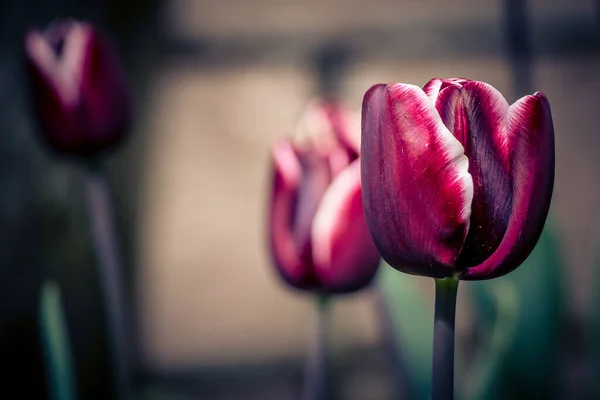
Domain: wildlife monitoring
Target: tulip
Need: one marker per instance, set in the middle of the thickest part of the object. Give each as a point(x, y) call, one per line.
point(456, 185)
point(78, 88)
point(318, 232)
point(83, 109)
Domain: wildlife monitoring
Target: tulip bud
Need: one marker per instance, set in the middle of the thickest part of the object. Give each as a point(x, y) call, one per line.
point(78, 89)
point(318, 233)
point(456, 182)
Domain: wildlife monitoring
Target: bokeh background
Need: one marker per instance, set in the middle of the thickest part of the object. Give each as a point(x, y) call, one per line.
point(215, 82)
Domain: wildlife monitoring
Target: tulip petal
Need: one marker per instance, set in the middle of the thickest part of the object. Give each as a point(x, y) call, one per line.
point(417, 191)
point(531, 139)
point(331, 122)
point(63, 71)
point(475, 113)
point(433, 87)
point(105, 98)
point(344, 256)
point(56, 83)
point(346, 125)
point(316, 178)
point(286, 183)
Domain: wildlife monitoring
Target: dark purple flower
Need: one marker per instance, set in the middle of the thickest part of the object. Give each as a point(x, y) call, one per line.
point(317, 229)
point(81, 100)
point(456, 182)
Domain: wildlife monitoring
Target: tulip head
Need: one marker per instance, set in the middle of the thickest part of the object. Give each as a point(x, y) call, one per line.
point(318, 233)
point(78, 88)
point(456, 182)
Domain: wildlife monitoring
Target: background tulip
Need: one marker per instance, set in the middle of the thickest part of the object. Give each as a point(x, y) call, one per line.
point(456, 183)
point(79, 92)
point(318, 233)
point(83, 109)
point(317, 228)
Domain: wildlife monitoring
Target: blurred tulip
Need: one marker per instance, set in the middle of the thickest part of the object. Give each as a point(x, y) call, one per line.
point(318, 233)
point(456, 183)
point(79, 91)
point(83, 109)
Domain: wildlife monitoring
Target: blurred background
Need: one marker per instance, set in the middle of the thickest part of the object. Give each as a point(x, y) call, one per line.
point(214, 83)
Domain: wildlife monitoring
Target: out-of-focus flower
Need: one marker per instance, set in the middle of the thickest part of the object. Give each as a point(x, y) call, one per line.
point(81, 100)
point(456, 182)
point(317, 229)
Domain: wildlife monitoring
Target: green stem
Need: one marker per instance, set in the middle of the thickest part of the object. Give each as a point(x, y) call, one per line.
point(443, 339)
point(110, 274)
point(315, 385)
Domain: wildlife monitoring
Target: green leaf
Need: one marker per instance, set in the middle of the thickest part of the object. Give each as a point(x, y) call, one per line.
point(55, 344)
point(412, 319)
point(596, 308)
point(526, 307)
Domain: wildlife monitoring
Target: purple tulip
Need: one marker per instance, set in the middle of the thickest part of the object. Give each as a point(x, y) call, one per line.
point(456, 182)
point(79, 91)
point(318, 233)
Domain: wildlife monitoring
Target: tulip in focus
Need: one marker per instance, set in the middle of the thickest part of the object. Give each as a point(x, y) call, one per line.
point(79, 91)
point(318, 233)
point(456, 182)
point(456, 186)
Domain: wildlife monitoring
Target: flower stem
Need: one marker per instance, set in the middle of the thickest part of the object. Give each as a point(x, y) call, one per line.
point(443, 339)
point(315, 385)
point(110, 274)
